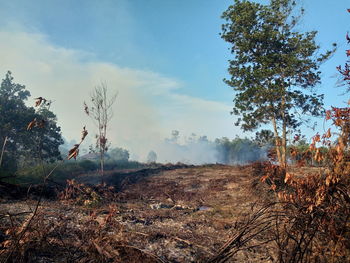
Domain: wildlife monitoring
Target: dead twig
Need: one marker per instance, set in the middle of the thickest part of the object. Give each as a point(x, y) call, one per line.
point(26, 224)
point(191, 244)
point(256, 224)
point(3, 149)
point(144, 252)
point(8, 214)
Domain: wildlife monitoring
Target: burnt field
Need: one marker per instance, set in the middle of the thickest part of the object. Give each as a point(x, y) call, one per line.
point(163, 214)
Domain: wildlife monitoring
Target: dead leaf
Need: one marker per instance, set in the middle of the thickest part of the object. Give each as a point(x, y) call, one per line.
point(32, 124)
point(73, 152)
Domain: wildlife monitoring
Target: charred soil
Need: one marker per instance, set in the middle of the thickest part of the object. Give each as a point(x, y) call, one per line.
point(164, 214)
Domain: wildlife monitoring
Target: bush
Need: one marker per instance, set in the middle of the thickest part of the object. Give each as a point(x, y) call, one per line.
point(88, 165)
point(122, 164)
point(68, 170)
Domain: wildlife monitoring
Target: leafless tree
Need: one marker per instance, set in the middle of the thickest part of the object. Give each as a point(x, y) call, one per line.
point(101, 113)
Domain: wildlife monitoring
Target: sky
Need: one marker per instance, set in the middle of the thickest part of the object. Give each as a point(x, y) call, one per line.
point(164, 58)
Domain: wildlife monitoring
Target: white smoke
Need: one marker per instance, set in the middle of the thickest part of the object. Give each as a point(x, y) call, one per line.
point(149, 105)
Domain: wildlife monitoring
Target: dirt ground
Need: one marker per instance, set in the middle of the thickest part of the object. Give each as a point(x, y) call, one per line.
point(183, 214)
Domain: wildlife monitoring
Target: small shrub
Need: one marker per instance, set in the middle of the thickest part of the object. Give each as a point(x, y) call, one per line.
point(88, 165)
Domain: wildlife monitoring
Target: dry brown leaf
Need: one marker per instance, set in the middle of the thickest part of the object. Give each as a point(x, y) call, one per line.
point(288, 178)
point(86, 109)
point(31, 125)
point(317, 138)
point(73, 152)
point(263, 179)
point(39, 100)
point(84, 133)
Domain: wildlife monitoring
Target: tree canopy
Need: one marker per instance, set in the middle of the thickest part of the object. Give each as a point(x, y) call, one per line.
point(274, 69)
point(119, 154)
point(238, 151)
point(25, 146)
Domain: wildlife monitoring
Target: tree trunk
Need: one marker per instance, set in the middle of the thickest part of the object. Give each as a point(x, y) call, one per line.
point(284, 135)
point(284, 146)
point(3, 150)
point(277, 140)
point(102, 162)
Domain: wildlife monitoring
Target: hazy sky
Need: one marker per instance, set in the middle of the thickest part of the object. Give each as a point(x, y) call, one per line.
point(164, 57)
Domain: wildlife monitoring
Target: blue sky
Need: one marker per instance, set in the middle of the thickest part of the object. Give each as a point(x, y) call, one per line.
point(165, 58)
point(176, 38)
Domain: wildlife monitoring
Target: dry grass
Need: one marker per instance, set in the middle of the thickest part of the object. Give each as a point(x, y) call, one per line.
point(182, 215)
point(208, 214)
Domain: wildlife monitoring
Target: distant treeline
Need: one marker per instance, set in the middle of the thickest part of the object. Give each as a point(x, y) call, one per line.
point(199, 149)
point(239, 151)
point(196, 150)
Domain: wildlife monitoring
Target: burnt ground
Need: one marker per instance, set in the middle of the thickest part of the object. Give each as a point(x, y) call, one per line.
point(165, 214)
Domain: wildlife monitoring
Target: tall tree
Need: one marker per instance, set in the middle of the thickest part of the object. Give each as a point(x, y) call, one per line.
point(101, 113)
point(47, 136)
point(23, 145)
point(274, 69)
point(264, 137)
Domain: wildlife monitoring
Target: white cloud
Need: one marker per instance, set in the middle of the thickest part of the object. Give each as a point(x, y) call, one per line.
point(148, 105)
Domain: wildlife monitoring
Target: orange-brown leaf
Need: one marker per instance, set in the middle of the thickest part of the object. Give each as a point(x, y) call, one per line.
point(328, 134)
point(31, 124)
point(317, 138)
point(273, 187)
point(338, 122)
point(39, 100)
point(73, 153)
point(263, 179)
point(288, 178)
point(318, 156)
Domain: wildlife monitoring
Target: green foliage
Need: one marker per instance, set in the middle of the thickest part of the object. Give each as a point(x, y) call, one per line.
point(118, 154)
point(122, 164)
point(88, 165)
point(271, 61)
point(69, 170)
point(264, 137)
point(238, 151)
point(274, 68)
point(25, 146)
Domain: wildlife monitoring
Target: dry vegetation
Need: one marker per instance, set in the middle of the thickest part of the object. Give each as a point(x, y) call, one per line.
point(180, 213)
point(173, 215)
